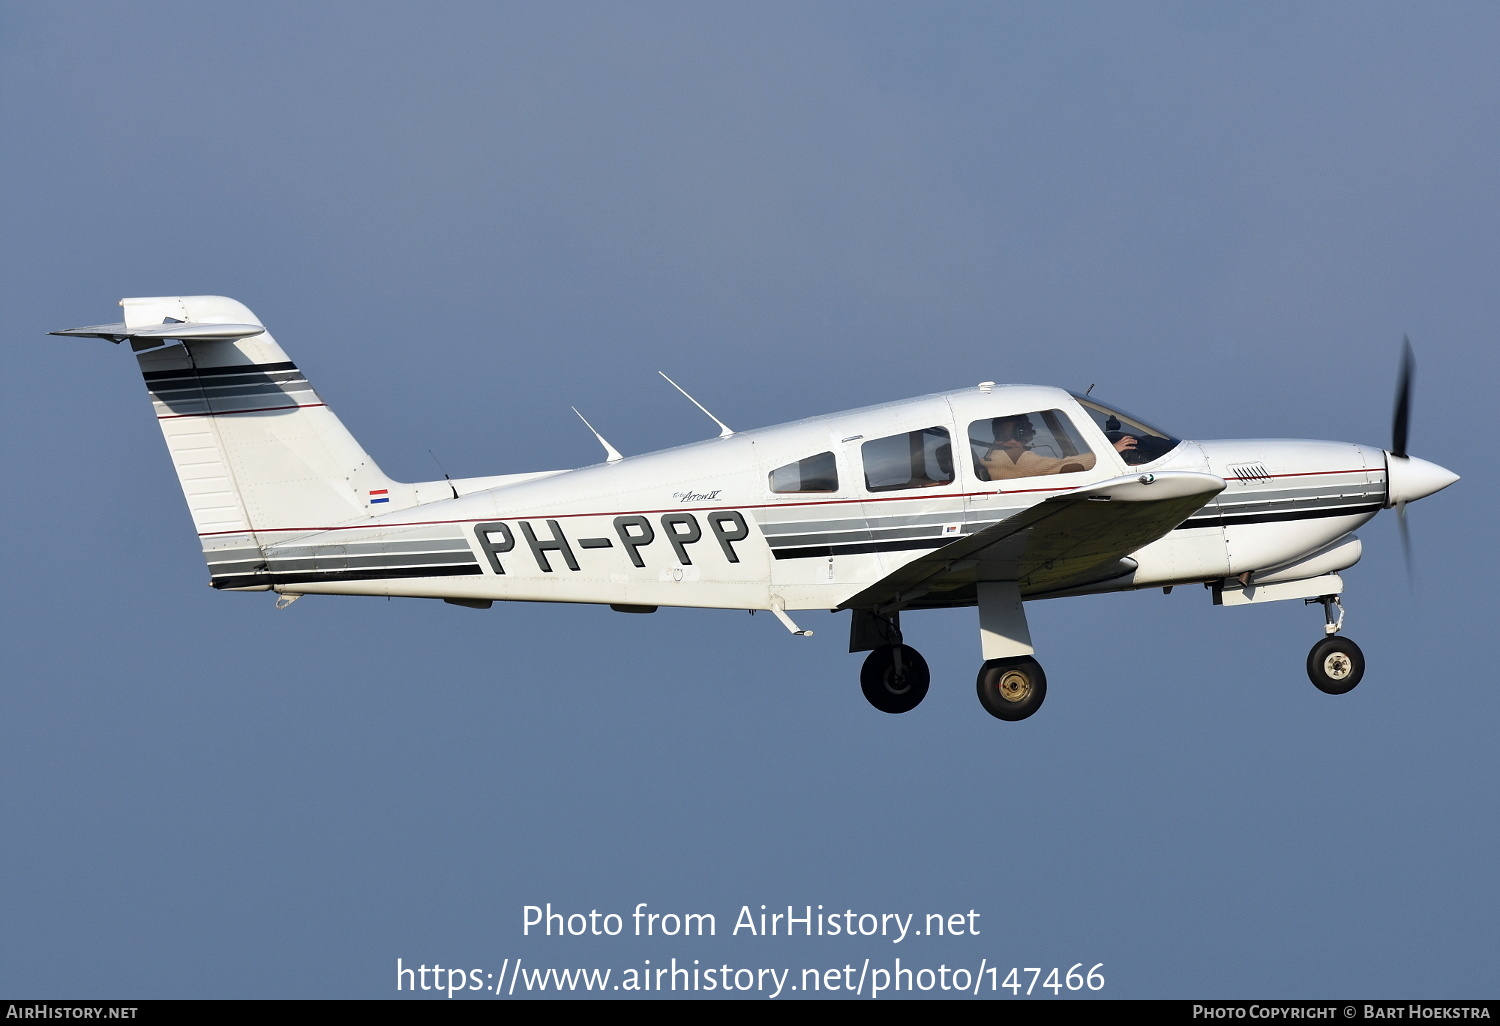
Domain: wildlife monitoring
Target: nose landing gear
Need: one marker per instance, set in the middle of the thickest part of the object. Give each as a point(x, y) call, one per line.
point(1335, 665)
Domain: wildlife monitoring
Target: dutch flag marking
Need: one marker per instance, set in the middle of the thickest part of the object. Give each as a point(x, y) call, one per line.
point(379, 495)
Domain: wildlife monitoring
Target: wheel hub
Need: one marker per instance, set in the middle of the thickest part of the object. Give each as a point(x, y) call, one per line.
point(1015, 686)
point(1337, 665)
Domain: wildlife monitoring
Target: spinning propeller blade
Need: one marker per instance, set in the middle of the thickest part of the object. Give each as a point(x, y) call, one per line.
point(1411, 570)
point(1401, 422)
point(1400, 429)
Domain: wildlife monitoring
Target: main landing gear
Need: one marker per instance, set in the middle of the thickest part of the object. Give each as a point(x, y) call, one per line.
point(1011, 689)
point(895, 678)
point(1011, 683)
point(1335, 665)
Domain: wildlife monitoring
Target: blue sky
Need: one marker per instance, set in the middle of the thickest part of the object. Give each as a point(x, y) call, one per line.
point(461, 219)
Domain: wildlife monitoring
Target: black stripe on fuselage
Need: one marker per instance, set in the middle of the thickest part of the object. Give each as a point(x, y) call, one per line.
point(269, 577)
point(859, 548)
point(1236, 520)
point(1217, 520)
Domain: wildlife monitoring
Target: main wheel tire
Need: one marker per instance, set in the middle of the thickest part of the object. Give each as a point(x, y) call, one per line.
point(1335, 665)
point(1012, 689)
point(890, 690)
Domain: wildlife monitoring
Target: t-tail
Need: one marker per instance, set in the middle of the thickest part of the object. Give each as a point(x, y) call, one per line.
point(261, 458)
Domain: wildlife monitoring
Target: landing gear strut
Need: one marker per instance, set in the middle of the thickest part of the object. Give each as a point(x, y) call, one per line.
point(1335, 665)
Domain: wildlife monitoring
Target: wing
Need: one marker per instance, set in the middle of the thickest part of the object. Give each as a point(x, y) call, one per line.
point(1069, 539)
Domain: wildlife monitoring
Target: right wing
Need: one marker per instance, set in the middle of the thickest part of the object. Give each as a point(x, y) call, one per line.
point(1070, 538)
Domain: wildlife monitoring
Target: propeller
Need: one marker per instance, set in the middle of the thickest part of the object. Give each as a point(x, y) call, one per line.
point(1400, 429)
point(1411, 571)
point(1409, 478)
point(1401, 422)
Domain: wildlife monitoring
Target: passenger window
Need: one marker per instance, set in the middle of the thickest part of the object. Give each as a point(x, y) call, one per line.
point(917, 459)
point(814, 474)
point(1028, 445)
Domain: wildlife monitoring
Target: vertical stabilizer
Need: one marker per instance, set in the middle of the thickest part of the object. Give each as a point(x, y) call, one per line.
point(259, 456)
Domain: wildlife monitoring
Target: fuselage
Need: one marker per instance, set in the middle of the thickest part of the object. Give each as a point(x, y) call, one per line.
point(805, 515)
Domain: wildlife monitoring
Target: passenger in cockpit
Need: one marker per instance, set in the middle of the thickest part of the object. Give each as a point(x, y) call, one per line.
point(1010, 455)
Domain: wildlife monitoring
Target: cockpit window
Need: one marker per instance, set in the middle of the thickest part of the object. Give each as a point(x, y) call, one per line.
point(814, 474)
point(1136, 441)
point(1028, 445)
point(917, 459)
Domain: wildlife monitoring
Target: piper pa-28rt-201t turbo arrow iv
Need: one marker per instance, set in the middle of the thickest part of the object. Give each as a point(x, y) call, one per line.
point(988, 496)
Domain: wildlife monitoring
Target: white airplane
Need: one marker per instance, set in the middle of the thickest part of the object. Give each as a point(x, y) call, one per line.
point(987, 496)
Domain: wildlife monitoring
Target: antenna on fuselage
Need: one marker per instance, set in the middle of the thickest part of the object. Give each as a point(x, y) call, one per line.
point(611, 454)
point(451, 486)
point(724, 429)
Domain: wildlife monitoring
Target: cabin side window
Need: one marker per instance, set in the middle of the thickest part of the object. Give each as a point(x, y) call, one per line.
point(917, 459)
point(1028, 445)
point(814, 474)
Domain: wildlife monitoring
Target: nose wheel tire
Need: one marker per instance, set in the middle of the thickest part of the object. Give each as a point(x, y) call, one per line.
point(890, 688)
point(1012, 689)
point(1335, 665)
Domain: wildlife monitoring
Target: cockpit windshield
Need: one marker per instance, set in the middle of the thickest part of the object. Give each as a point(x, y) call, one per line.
point(1136, 441)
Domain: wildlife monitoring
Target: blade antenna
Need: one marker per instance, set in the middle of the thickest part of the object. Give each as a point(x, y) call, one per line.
point(442, 471)
point(724, 429)
point(1401, 421)
point(611, 454)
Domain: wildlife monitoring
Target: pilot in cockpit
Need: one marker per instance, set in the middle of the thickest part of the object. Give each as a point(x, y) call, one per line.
point(1017, 452)
point(1011, 456)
